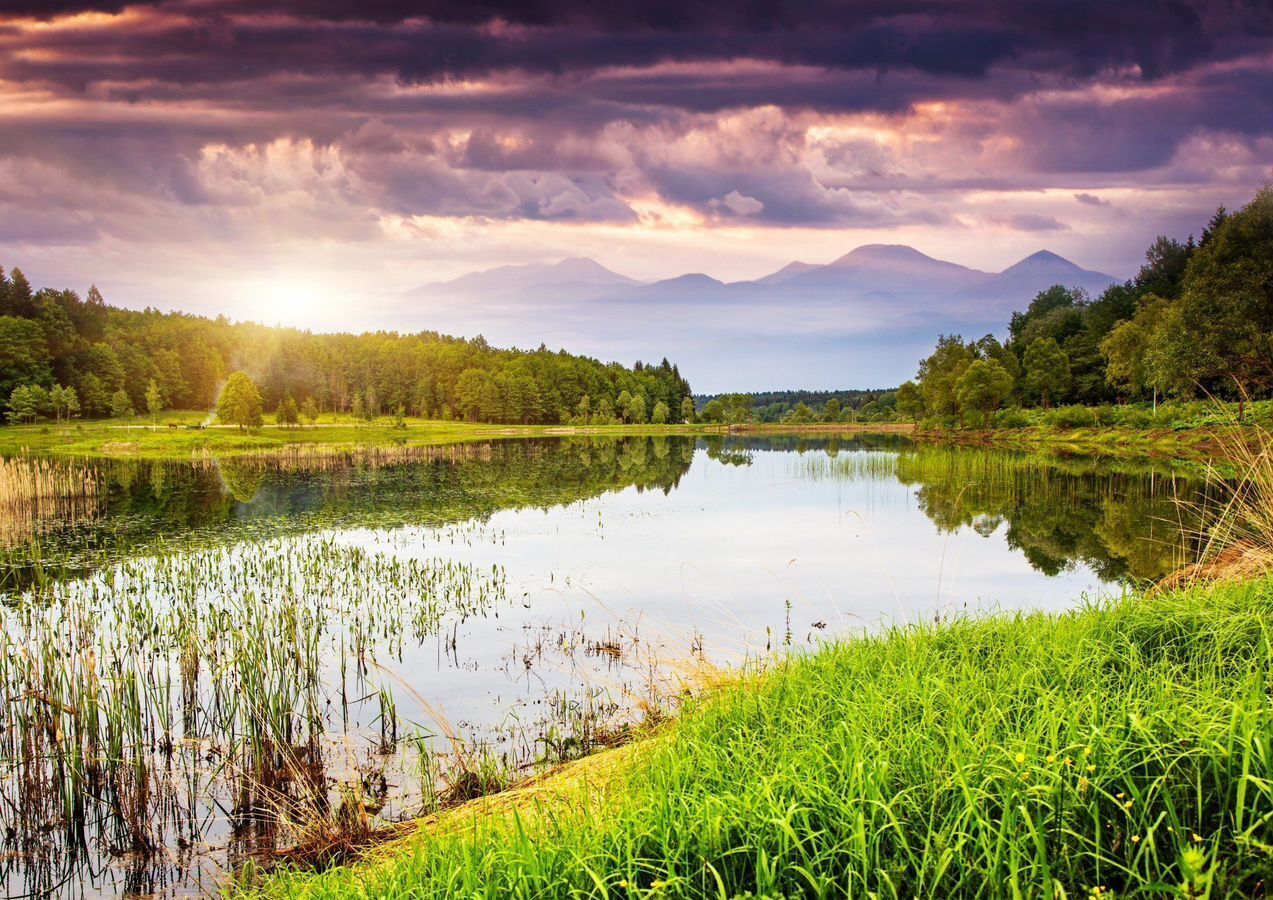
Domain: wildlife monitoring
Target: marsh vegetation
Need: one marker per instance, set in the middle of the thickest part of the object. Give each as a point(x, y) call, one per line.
point(279, 658)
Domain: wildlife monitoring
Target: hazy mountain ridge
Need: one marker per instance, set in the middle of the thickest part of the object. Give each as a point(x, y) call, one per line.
point(870, 267)
point(864, 318)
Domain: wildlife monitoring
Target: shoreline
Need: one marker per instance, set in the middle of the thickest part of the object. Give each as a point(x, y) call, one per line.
point(613, 807)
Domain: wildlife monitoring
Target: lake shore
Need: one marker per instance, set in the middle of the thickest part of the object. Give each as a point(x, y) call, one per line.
point(1193, 444)
point(1115, 748)
point(179, 436)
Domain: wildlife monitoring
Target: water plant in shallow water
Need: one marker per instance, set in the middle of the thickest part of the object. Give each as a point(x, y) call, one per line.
point(167, 700)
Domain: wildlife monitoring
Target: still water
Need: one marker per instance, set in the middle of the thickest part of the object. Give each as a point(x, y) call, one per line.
point(200, 658)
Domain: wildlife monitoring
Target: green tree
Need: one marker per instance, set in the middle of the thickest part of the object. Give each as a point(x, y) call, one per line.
point(1227, 301)
point(121, 405)
point(309, 409)
point(287, 413)
point(713, 411)
point(687, 409)
point(939, 376)
point(70, 403)
point(96, 398)
point(801, 414)
point(831, 410)
point(636, 410)
point(1047, 369)
point(23, 405)
point(983, 387)
point(24, 355)
point(154, 401)
point(624, 405)
point(240, 402)
point(584, 409)
point(660, 414)
point(910, 403)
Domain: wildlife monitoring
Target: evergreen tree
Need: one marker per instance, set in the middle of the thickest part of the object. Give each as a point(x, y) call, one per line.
point(121, 405)
point(240, 402)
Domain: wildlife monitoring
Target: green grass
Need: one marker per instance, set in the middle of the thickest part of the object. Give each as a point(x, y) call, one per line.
point(137, 438)
point(1125, 748)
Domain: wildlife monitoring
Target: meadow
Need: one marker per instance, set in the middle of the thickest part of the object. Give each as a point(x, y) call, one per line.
point(183, 435)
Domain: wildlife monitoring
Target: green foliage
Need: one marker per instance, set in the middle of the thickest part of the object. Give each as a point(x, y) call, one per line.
point(659, 415)
point(25, 404)
point(240, 402)
point(309, 409)
point(154, 400)
point(636, 410)
point(50, 336)
point(1047, 369)
point(121, 405)
point(1119, 750)
point(288, 414)
point(687, 409)
point(983, 387)
point(1227, 303)
point(910, 402)
point(939, 376)
point(801, 415)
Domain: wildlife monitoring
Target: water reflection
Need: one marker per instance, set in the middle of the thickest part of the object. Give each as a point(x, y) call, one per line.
point(518, 599)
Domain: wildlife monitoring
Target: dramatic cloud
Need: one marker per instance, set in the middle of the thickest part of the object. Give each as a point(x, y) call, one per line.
point(408, 138)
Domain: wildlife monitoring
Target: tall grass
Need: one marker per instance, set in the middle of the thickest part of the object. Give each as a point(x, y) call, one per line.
point(1121, 749)
point(1236, 537)
point(36, 491)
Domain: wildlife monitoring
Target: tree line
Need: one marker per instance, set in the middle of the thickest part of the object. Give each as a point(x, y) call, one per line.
point(798, 406)
point(63, 356)
point(1195, 321)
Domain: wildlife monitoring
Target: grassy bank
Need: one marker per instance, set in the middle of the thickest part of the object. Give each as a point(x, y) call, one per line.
point(177, 436)
point(1197, 430)
point(1123, 748)
point(1204, 443)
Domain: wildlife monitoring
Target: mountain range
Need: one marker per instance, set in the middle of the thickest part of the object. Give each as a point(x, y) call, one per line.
point(862, 320)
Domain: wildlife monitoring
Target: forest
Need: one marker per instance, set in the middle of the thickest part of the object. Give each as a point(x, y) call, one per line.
point(63, 356)
point(798, 406)
point(1195, 322)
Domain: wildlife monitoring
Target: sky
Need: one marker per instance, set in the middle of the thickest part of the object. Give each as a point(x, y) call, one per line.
point(294, 161)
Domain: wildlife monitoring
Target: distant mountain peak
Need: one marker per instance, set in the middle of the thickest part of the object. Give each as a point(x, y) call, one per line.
point(883, 253)
point(584, 265)
point(1047, 260)
point(1046, 256)
point(689, 279)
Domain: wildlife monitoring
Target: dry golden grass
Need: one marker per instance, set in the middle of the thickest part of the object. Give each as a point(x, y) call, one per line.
point(1237, 541)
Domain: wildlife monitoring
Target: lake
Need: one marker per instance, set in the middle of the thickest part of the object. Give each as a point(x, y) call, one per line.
point(201, 658)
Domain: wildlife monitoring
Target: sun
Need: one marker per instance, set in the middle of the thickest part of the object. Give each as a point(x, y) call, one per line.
point(284, 300)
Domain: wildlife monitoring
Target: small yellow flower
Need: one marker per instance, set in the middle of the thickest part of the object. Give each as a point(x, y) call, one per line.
point(1020, 758)
point(1135, 838)
point(1120, 795)
point(1051, 757)
point(1087, 751)
point(1091, 768)
point(1068, 761)
point(1025, 776)
point(1197, 838)
point(1127, 805)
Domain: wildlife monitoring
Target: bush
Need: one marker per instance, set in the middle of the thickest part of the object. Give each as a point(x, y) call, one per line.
point(1071, 417)
point(1015, 417)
